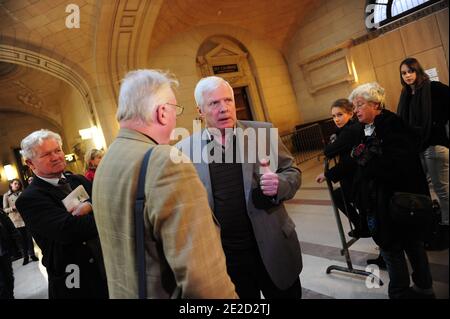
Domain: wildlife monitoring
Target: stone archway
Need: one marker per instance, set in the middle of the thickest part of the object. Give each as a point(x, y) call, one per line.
point(179, 56)
point(27, 58)
point(26, 111)
point(227, 58)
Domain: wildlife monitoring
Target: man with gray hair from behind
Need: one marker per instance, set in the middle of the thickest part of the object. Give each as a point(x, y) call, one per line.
point(183, 252)
point(67, 237)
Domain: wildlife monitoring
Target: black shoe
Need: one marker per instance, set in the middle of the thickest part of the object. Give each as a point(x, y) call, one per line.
point(356, 233)
point(414, 294)
point(34, 258)
point(14, 258)
point(379, 261)
point(25, 261)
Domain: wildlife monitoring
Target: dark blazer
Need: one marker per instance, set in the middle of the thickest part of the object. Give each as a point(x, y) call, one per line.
point(347, 137)
point(273, 228)
point(10, 239)
point(439, 95)
point(64, 239)
point(439, 113)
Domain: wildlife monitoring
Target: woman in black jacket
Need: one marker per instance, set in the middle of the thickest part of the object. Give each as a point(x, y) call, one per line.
point(341, 143)
point(424, 105)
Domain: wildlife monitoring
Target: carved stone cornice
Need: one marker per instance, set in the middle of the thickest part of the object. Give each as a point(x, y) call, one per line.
point(28, 96)
point(128, 20)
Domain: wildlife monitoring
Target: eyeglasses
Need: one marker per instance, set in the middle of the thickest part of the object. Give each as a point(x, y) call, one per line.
point(359, 106)
point(179, 108)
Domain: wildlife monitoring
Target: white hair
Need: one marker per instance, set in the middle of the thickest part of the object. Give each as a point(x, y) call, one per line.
point(29, 143)
point(207, 85)
point(371, 92)
point(141, 91)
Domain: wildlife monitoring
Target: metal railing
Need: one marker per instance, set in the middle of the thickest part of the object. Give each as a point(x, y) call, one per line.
point(308, 142)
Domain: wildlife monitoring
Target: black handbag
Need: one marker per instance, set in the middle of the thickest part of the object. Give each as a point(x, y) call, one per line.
point(414, 210)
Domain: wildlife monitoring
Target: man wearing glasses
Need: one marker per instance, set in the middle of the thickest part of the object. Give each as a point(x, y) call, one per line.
point(181, 239)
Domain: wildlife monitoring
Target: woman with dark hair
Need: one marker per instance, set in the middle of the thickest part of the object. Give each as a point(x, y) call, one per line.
point(9, 206)
point(424, 105)
point(341, 143)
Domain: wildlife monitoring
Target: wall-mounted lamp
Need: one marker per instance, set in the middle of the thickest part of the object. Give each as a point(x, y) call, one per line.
point(10, 172)
point(86, 133)
point(354, 72)
point(93, 133)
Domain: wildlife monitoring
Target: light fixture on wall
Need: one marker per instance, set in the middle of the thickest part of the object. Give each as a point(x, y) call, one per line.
point(86, 133)
point(354, 72)
point(93, 133)
point(10, 172)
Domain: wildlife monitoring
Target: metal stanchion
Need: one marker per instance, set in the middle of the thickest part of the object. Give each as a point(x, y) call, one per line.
point(345, 245)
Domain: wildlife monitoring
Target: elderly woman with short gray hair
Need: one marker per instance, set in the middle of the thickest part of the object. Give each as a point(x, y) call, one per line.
point(388, 163)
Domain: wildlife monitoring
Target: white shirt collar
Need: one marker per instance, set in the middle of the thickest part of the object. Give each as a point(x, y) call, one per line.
point(368, 129)
point(53, 181)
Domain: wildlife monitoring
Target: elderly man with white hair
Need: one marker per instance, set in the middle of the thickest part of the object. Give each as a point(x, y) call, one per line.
point(68, 239)
point(389, 164)
point(247, 197)
point(183, 255)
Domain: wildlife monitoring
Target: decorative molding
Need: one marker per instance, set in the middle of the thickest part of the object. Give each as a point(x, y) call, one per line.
point(221, 55)
point(27, 96)
point(7, 70)
point(328, 68)
point(126, 25)
point(225, 54)
point(57, 69)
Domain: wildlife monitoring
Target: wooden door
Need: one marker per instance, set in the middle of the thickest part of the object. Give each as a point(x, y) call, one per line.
point(243, 111)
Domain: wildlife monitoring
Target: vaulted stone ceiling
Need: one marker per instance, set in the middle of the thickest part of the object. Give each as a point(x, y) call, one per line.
point(39, 25)
point(94, 51)
point(274, 20)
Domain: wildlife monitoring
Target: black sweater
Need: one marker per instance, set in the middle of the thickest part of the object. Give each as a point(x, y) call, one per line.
point(439, 113)
point(347, 137)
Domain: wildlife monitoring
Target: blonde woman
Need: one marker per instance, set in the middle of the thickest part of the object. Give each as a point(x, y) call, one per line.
point(92, 159)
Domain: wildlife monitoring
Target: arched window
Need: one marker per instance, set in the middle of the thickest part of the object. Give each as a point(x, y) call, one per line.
point(382, 12)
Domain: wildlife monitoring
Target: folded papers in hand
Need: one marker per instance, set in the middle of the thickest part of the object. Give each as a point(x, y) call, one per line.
point(75, 198)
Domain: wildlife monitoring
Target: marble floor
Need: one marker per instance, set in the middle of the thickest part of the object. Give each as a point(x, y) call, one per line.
point(313, 215)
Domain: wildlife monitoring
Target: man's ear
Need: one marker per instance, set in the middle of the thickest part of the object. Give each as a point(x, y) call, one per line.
point(161, 114)
point(200, 113)
point(30, 164)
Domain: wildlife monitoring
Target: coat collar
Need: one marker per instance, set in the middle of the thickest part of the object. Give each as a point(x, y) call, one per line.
point(135, 135)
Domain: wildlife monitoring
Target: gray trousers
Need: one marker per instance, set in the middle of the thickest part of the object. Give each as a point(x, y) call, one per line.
point(435, 164)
